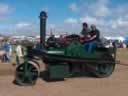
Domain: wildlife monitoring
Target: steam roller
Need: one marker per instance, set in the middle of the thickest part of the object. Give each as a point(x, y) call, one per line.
point(64, 60)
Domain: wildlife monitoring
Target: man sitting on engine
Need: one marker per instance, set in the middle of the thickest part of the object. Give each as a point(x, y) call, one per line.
point(85, 30)
point(92, 39)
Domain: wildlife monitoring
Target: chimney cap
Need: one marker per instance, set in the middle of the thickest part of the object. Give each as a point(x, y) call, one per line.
point(43, 14)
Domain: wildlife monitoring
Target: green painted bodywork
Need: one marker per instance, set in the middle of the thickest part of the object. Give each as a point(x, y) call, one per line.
point(58, 71)
point(76, 50)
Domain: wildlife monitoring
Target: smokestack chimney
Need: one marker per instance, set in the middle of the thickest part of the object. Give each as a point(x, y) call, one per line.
point(43, 18)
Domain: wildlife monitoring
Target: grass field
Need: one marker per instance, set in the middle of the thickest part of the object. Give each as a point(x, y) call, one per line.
point(122, 55)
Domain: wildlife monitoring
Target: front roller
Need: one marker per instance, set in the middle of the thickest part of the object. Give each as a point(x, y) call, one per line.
point(27, 73)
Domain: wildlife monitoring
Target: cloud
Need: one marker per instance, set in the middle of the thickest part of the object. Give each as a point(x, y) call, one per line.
point(120, 23)
point(5, 9)
point(21, 28)
point(74, 7)
point(102, 11)
point(71, 21)
point(51, 26)
point(26, 28)
point(4, 20)
point(23, 25)
point(45, 8)
point(99, 8)
point(110, 20)
point(88, 19)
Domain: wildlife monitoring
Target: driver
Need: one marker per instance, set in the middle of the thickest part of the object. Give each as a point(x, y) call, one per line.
point(93, 37)
point(85, 30)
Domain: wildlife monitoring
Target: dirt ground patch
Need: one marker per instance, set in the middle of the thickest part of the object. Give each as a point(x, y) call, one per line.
point(115, 85)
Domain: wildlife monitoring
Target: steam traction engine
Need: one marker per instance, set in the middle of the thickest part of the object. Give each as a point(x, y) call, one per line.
point(64, 61)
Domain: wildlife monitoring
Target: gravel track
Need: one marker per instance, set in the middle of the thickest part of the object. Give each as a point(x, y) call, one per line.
point(115, 85)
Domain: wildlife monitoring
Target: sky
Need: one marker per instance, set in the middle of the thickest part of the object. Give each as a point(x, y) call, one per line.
point(21, 17)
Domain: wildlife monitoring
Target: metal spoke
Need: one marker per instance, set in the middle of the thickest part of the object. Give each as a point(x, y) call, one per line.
point(34, 73)
point(20, 73)
point(30, 67)
point(30, 78)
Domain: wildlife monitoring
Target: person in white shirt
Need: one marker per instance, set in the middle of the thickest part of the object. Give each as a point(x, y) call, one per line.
point(19, 53)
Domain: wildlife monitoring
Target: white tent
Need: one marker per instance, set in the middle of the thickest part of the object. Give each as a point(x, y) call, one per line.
point(115, 38)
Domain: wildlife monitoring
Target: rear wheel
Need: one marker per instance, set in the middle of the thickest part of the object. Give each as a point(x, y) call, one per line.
point(103, 70)
point(27, 73)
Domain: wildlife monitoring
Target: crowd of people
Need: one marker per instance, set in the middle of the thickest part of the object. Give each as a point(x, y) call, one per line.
point(115, 44)
point(6, 51)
